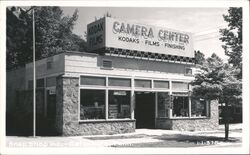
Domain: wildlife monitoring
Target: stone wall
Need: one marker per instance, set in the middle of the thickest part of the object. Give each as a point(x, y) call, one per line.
point(67, 122)
point(193, 124)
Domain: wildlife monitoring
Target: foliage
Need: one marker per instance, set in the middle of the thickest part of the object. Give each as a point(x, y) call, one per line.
point(199, 57)
point(232, 37)
point(19, 37)
point(53, 33)
point(218, 81)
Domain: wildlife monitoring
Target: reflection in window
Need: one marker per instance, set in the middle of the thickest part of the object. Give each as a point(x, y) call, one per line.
point(119, 104)
point(143, 83)
point(92, 104)
point(180, 106)
point(179, 86)
point(163, 104)
point(88, 80)
point(198, 108)
point(119, 82)
point(161, 84)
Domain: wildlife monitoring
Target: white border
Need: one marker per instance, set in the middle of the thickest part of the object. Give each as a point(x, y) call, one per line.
point(178, 3)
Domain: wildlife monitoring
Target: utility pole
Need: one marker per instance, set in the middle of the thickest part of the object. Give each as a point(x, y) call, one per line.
point(34, 74)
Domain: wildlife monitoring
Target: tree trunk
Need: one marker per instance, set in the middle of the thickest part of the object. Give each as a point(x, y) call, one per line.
point(226, 119)
point(226, 131)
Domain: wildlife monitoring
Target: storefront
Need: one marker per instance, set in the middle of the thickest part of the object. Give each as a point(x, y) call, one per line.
point(133, 76)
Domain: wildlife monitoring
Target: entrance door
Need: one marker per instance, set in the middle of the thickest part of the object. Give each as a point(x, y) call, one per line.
point(145, 109)
point(51, 113)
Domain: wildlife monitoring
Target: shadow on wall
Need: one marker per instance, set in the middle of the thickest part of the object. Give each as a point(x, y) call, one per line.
point(19, 122)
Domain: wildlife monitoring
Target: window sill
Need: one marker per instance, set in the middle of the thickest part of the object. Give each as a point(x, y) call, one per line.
point(179, 118)
point(201, 117)
point(108, 120)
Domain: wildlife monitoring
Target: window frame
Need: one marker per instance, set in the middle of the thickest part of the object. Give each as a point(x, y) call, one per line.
point(207, 104)
point(188, 68)
point(110, 77)
point(180, 117)
point(207, 109)
point(143, 79)
point(156, 80)
point(130, 104)
point(79, 107)
point(132, 90)
point(106, 88)
point(94, 85)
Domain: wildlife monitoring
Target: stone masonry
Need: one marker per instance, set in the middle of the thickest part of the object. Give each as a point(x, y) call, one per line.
point(193, 124)
point(67, 123)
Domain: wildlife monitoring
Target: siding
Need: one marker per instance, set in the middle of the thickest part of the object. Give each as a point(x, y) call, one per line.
point(41, 67)
point(79, 63)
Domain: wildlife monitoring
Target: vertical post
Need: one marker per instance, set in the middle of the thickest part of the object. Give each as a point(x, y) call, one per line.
point(156, 106)
point(106, 100)
point(189, 106)
point(34, 76)
point(170, 114)
point(132, 108)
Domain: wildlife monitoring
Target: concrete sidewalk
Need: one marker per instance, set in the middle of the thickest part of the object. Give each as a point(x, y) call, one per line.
point(140, 138)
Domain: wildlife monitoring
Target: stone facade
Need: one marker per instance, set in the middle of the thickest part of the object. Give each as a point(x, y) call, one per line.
point(193, 124)
point(67, 122)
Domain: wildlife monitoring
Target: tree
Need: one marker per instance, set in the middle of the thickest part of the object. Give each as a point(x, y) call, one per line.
point(53, 34)
point(232, 37)
point(218, 82)
point(199, 57)
point(19, 37)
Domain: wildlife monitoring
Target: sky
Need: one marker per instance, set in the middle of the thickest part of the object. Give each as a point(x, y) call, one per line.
point(204, 23)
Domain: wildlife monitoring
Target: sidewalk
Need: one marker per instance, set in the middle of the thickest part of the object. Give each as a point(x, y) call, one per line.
point(140, 138)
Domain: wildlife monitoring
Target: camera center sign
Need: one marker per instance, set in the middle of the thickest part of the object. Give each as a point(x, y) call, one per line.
point(109, 32)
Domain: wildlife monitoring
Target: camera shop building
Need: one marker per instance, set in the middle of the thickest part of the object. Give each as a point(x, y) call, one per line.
point(133, 76)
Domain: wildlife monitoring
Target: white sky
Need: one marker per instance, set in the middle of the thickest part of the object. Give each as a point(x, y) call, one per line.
point(204, 23)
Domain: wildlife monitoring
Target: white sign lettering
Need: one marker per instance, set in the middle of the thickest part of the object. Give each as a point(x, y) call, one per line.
point(109, 32)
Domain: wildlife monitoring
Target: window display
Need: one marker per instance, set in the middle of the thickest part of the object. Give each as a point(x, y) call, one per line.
point(92, 104)
point(119, 104)
point(180, 106)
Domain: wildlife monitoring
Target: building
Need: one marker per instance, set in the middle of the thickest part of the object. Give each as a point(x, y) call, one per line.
point(133, 76)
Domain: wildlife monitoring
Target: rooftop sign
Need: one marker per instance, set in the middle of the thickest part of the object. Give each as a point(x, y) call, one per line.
point(109, 32)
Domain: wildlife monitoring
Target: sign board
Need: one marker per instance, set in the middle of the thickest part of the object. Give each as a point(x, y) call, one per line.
point(120, 93)
point(115, 33)
point(52, 91)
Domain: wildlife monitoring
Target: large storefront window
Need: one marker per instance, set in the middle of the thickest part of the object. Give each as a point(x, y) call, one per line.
point(163, 104)
point(198, 108)
point(180, 106)
point(92, 104)
point(119, 104)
